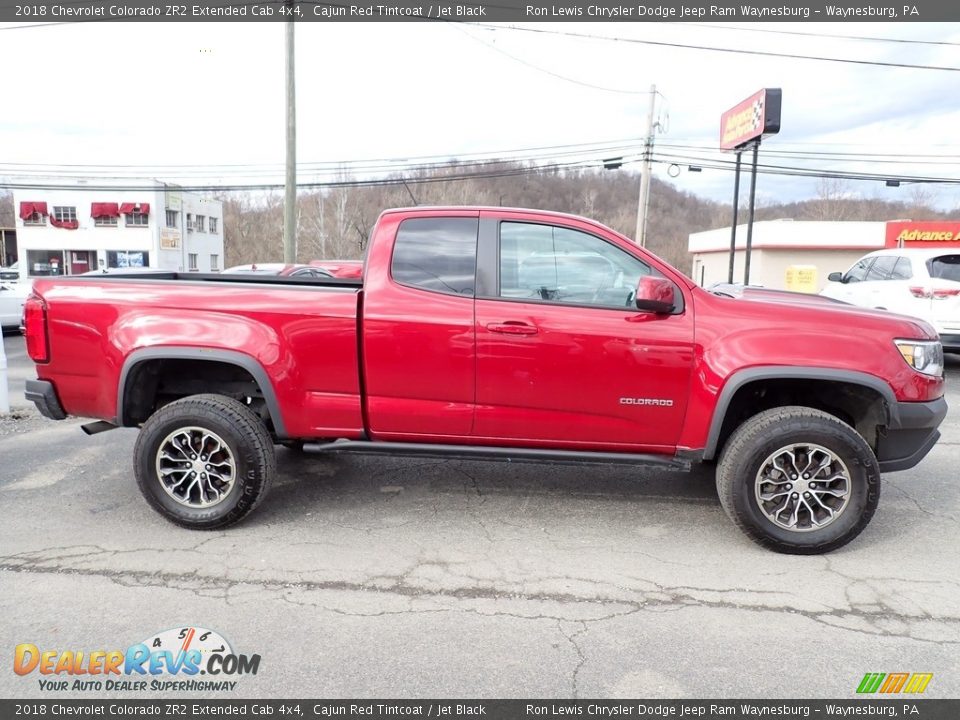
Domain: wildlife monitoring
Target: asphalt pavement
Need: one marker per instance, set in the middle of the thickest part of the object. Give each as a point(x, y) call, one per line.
point(384, 577)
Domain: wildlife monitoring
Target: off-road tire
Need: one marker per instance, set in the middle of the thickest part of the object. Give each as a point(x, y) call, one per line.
point(754, 441)
point(245, 435)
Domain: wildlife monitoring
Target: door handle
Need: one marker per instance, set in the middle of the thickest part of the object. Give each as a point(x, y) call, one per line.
point(512, 328)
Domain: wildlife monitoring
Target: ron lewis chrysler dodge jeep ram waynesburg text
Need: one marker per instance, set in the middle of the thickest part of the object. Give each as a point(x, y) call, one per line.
point(491, 332)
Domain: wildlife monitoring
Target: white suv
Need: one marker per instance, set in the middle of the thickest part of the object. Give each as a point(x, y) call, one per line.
point(921, 282)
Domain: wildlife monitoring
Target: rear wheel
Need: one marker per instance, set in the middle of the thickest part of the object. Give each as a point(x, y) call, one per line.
point(204, 462)
point(798, 480)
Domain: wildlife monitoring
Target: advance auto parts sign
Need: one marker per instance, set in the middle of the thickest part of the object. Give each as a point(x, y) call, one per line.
point(754, 118)
point(934, 234)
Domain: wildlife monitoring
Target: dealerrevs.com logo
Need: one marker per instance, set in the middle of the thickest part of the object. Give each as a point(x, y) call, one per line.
point(167, 661)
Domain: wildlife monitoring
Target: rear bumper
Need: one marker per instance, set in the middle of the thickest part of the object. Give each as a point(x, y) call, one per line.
point(42, 394)
point(911, 434)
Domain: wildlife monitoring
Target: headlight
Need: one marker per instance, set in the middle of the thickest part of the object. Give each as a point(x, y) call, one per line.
point(924, 356)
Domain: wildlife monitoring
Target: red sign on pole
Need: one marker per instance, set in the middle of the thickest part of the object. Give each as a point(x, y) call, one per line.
point(752, 119)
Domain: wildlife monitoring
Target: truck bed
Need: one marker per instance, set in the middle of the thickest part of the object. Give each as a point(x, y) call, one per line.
point(301, 332)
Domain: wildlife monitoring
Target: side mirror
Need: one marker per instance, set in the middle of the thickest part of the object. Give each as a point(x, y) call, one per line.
point(655, 294)
point(835, 277)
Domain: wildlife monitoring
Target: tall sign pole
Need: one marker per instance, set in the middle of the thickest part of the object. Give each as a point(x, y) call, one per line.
point(742, 127)
point(736, 208)
point(290, 188)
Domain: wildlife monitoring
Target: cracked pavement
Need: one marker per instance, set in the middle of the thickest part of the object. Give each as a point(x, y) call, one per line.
point(366, 576)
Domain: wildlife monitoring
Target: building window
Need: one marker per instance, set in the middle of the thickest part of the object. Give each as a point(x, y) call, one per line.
point(127, 259)
point(193, 259)
point(65, 213)
point(107, 221)
point(213, 226)
point(172, 218)
point(214, 263)
point(189, 222)
point(44, 263)
point(200, 224)
point(33, 213)
point(136, 219)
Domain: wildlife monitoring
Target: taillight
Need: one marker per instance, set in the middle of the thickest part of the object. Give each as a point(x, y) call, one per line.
point(920, 292)
point(35, 329)
point(941, 293)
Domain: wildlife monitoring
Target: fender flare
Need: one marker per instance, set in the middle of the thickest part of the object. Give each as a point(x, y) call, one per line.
point(791, 372)
point(230, 357)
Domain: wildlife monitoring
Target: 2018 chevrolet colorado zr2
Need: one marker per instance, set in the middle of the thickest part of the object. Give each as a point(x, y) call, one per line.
point(493, 332)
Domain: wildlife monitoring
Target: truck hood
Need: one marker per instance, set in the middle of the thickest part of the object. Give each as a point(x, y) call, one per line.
point(802, 310)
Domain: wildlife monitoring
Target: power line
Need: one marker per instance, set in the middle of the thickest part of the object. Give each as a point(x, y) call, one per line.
point(737, 51)
point(545, 70)
point(820, 35)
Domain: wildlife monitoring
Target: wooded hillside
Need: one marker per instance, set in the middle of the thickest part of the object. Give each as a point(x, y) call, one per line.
point(336, 222)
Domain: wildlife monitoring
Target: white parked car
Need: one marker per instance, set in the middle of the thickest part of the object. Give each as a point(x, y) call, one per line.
point(12, 298)
point(921, 282)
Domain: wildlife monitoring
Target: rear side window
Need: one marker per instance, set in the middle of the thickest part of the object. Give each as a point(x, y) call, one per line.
point(945, 267)
point(882, 268)
point(437, 254)
point(903, 270)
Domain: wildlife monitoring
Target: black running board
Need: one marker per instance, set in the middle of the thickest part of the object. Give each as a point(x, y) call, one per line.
point(481, 452)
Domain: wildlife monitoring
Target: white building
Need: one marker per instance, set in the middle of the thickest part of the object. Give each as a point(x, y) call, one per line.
point(785, 254)
point(71, 230)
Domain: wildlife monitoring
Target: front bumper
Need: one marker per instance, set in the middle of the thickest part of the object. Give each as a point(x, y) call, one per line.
point(950, 342)
point(911, 434)
point(42, 394)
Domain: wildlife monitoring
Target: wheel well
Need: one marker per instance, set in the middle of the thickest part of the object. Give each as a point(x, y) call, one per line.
point(861, 407)
point(151, 384)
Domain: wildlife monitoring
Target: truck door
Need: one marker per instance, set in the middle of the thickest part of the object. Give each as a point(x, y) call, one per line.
point(564, 358)
point(418, 327)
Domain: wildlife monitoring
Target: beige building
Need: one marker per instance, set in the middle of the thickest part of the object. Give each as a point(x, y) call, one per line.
point(786, 254)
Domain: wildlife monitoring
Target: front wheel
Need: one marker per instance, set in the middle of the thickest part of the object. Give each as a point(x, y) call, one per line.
point(798, 480)
point(204, 462)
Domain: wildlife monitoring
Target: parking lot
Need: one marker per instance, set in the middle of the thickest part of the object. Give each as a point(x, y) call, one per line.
point(380, 577)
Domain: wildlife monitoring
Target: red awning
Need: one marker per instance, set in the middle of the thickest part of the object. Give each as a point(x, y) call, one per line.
point(101, 210)
point(27, 209)
point(142, 208)
point(65, 224)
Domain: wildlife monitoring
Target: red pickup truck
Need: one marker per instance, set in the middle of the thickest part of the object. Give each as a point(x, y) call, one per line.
point(493, 332)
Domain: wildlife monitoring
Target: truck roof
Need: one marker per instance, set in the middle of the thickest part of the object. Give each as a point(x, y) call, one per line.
point(488, 208)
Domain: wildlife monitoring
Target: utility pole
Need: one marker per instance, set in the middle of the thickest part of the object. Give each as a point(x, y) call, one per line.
point(290, 194)
point(644, 198)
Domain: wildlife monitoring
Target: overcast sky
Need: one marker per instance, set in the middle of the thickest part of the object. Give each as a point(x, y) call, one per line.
point(208, 94)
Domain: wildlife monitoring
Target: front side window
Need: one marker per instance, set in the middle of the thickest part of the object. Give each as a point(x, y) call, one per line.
point(859, 271)
point(544, 263)
point(437, 254)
